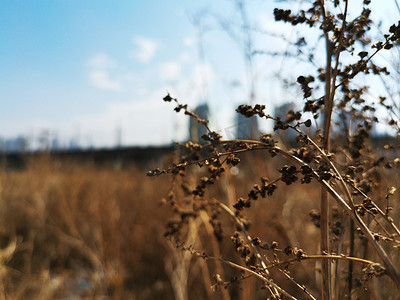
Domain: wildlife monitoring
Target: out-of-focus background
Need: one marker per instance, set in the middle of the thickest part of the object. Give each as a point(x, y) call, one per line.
point(82, 120)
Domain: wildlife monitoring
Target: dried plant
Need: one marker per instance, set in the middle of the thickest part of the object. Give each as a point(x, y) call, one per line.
point(80, 231)
point(357, 213)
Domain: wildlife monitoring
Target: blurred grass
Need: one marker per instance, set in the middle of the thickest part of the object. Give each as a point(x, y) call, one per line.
point(79, 231)
point(74, 230)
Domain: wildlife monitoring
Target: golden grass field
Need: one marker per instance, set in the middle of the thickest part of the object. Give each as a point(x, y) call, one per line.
point(71, 230)
point(79, 231)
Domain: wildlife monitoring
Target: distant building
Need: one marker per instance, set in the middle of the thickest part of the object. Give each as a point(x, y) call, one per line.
point(2, 145)
point(349, 124)
point(281, 112)
point(247, 128)
point(55, 143)
point(196, 130)
point(74, 144)
point(18, 144)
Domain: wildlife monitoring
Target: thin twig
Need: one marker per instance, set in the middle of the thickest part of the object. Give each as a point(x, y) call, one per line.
point(248, 237)
point(319, 256)
point(266, 280)
point(324, 216)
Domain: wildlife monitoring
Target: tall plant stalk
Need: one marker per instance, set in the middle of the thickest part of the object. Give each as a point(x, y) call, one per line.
point(331, 166)
point(325, 264)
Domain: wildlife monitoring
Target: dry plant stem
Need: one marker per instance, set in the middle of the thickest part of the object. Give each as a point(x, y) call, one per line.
point(301, 287)
point(387, 219)
point(362, 65)
point(263, 263)
point(326, 158)
point(206, 273)
point(347, 193)
point(390, 269)
point(284, 153)
point(392, 272)
point(179, 289)
point(268, 281)
point(325, 257)
point(324, 219)
point(206, 222)
point(388, 239)
point(248, 237)
point(353, 214)
point(335, 188)
point(351, 253)
point(381, 227)
point(178, 266)
point(331, 85)
point(328, 102)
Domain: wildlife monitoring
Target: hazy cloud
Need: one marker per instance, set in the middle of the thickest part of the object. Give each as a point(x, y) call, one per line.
point(170, 71)
point(101, 61)
point(188, 41)
point(203, 75)
point(99, 75)
point(146, 49)
point(145, 122)
point(101, 79)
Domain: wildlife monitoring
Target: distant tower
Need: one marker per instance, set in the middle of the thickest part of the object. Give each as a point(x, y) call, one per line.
point(196, 130)
point(118, 137)
point(246, 128)
point(55, 142)
point(281, 112)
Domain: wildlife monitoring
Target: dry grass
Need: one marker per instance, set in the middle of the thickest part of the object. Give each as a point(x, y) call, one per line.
point(70, 230)
point(282, 219)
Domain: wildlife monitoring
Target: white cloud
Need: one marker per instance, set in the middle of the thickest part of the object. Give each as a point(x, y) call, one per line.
point(101, 61)
point(188, 41)
point(170, 71)
point(149, 121)
point(267, 23)
point(186, 57)
point(99, 75)
point(202, 77)
point(102, 80)
point(146, 49)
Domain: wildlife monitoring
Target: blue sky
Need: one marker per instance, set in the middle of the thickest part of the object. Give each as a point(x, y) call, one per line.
point(85, 70)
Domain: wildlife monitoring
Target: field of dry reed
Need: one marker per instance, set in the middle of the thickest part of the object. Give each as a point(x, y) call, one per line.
point(79, 231)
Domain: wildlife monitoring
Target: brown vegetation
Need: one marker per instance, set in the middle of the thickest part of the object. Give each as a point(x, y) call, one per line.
point(332, 171)
point(70, 230)
point(233, 219)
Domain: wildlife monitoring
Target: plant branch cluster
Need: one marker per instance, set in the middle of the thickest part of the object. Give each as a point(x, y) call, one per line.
point(343, 162)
